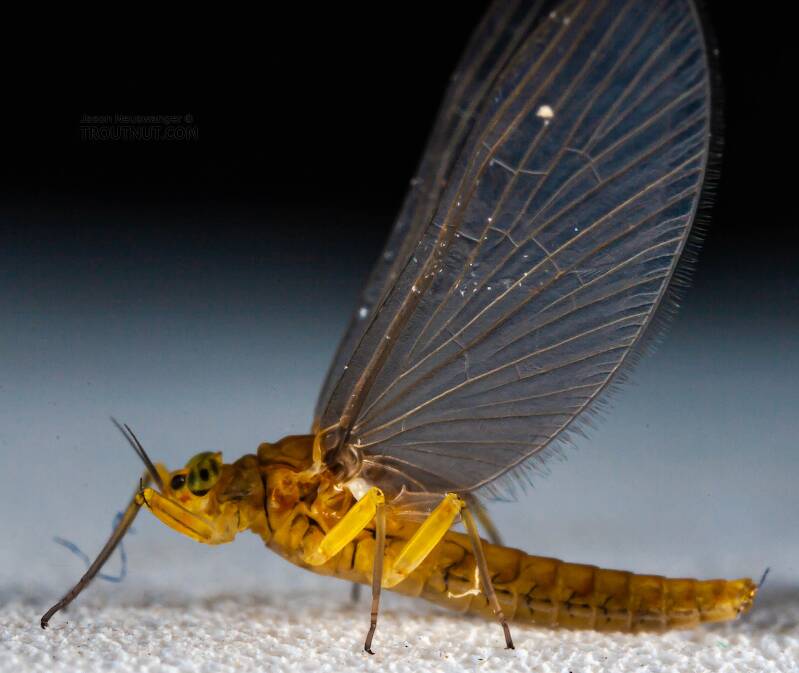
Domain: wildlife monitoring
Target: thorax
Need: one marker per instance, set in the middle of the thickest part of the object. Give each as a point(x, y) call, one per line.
point(303, 501)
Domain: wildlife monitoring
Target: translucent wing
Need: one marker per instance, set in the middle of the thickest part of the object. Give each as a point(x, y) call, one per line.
point(489, 49)
point(566, 209)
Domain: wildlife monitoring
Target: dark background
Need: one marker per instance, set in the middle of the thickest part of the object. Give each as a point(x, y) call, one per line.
point(319, 109)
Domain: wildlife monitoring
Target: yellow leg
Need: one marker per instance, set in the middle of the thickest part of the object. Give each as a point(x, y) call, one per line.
point(372, 507)
point(491, 532)
point(423, 541)
point(346, 530)
point(177, 517)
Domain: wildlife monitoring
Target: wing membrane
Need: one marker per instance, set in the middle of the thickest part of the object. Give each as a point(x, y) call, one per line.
point(489, 49)
point(524, 291)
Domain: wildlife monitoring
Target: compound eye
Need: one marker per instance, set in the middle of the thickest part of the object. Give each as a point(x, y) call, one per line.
point(204, 471)
point(178, 482)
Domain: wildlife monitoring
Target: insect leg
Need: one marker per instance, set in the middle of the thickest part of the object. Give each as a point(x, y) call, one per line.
point(175, 516)
point(426, 537)
point(119, 532)
point(355, 592)
point(485, 577)
point(346, 530)
point(377, 571)
point(483, 518)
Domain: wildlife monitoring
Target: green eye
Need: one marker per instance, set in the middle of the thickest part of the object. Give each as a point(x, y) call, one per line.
point(204, 471)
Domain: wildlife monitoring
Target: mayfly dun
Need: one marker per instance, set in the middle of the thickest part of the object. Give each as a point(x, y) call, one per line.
point(552, 214)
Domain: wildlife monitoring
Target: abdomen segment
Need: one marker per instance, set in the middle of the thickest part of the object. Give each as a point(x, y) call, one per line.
point(549, 592)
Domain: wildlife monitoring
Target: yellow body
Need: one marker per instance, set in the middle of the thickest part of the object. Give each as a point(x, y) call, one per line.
point(293, 503)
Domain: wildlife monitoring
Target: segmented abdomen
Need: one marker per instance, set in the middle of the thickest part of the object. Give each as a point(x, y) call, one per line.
point(531, 589)
point(550, 592)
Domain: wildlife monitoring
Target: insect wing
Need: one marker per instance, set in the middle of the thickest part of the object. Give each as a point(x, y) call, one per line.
point(554, 241)
point(488, 51)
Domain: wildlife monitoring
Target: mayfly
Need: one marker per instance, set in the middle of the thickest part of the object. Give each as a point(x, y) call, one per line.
point(551, 217)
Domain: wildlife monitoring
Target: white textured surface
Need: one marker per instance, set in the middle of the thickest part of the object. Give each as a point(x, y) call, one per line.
point(317, 632)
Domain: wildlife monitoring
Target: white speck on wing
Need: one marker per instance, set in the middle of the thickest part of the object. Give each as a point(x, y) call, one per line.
point(545, 112)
